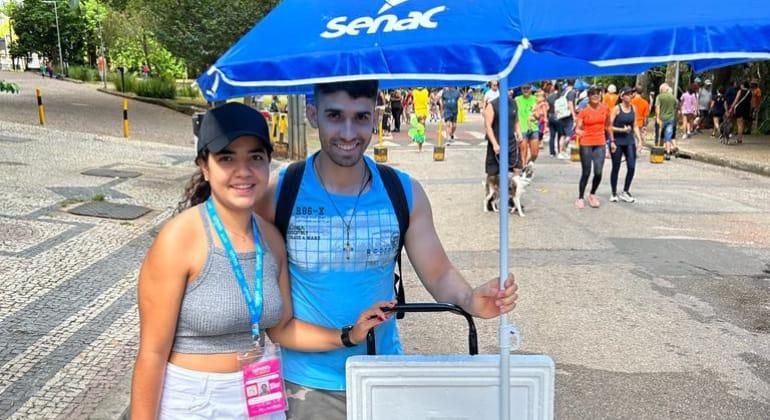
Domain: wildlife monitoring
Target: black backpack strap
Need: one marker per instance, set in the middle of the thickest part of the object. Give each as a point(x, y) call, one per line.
point(292, 178)
point(400, 205)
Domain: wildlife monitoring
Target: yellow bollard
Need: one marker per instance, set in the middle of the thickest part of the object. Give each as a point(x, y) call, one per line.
point(40, 107)
point(125, 118)
point(274, 126)
point(380, 151)
point(439, 151)
point(283, 126)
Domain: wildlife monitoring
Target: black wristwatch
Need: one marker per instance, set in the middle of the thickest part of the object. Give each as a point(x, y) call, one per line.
point(345, 336)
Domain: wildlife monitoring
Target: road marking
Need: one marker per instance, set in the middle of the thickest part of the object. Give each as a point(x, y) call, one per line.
point(476, 135)
point(78, 104)
point(460, 143)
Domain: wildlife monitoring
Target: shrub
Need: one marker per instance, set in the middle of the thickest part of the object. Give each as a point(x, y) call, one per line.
point(9, 87)
point(156, 88)
point(130, 79)
point(188, 91)
point(86, 74)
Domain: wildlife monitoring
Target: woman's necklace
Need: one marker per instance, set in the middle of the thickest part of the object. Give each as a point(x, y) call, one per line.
point(348, 248)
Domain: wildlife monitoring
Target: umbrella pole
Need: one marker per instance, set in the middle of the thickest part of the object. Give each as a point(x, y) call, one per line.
point(505, 342)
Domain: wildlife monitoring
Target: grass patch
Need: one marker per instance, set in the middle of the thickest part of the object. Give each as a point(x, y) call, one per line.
point(85, 74)
point(70, 201)
point(156, 88)
point(98, 197)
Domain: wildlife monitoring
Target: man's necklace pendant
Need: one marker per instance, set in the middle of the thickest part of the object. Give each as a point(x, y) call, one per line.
point(348, 250)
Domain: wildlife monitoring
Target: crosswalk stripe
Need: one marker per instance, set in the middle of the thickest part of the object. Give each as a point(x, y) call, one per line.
point(460, 143)
point(476, 135)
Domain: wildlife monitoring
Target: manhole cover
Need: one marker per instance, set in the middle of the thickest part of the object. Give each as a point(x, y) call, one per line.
point(112, 173)
point(9, 163)
point(110, 210)
point(17, 232)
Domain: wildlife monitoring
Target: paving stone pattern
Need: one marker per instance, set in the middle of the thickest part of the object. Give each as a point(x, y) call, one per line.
point(68, 302)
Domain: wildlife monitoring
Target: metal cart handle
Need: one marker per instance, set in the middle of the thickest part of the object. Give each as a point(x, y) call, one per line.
point(473, 346)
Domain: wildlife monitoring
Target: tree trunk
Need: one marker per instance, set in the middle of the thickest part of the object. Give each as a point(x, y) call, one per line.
point(146, 50)
point(643, 81)
point(671, 75)
point(722, 77)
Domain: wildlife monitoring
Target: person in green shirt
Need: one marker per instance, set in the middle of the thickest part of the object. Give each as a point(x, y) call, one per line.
point(665, 116)
point(529, 144)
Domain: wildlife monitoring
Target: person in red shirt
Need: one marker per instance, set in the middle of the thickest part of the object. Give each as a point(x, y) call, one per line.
point(593, 128)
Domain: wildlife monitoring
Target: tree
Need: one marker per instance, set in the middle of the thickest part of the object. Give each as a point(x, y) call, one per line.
point(34, 23)
point(199, 31)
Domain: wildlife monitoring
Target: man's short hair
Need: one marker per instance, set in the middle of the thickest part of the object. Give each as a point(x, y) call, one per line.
point(355, 89)
point(570, 82)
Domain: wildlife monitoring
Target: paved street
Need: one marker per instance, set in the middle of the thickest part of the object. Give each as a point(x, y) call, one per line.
point(80, 107)
point(658, 309)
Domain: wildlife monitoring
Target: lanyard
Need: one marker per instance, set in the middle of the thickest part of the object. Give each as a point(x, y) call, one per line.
point(254, 302)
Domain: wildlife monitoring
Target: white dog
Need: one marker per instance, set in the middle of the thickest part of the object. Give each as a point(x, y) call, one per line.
point(516, 188)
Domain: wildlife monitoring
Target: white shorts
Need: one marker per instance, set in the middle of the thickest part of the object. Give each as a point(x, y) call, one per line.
point(191, 394)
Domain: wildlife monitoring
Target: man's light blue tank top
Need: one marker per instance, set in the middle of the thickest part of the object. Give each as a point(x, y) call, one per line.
point(327, 288)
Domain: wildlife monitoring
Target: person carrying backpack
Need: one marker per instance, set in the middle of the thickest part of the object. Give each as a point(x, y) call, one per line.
point(564, 108)
point(345, 220)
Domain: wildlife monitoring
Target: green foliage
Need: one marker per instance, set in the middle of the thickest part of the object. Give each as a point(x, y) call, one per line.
point(132, 49)
point(34, 22)
point(199, 31)
point(156, 88)
point(86, 74)
point(9, 87)
point(130, 80)
point(188, 91)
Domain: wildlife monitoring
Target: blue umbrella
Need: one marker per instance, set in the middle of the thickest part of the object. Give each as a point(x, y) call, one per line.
point(465, 42)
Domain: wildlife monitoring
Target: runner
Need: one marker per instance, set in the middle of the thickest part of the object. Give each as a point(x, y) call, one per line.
point(642, 112)
point(342, 242)
point(592, 124)
point(199, 309)
point(665, 117)
point(525, 105)
point(448, 105)
point(626, 129)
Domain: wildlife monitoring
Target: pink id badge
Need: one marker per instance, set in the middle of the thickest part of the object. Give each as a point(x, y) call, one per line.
point(263, 381)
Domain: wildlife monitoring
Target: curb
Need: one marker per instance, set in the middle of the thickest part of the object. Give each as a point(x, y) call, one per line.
point(753, 167)
point(184, 109)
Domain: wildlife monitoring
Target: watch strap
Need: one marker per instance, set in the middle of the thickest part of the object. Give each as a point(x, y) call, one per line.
point(345, 336)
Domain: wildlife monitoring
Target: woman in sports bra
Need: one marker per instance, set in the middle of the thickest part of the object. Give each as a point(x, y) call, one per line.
point(215, 279)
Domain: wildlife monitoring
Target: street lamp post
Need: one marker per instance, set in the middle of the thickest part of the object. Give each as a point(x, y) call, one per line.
point(58, 34)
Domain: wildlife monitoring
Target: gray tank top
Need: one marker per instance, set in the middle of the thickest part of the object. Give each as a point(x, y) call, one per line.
point(214, 317)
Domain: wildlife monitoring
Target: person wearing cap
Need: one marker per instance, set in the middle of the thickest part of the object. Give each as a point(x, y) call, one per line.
point(611, 97)
point(704, 103)
point(594, 127)
point(195, 318)
point(626, 136)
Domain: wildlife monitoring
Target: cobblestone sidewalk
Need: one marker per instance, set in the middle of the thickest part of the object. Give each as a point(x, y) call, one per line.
point(68, 301)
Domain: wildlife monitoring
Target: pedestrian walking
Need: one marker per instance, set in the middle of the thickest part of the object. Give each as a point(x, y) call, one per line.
point(554, 127)
point(665, 117)
point(215, 282)
point(396, 109)
point(704, 102)
point(689, 109)
point(717, 109)
point(565, 111)
point(420, 96)
point(593, 128)
point(625, 137)
point(417, 131)
point(448, 104)
point(642, 112)
point(529, 144)
point(741, 109)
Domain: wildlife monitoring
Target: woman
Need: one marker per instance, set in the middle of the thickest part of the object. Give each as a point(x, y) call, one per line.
point(626, 133)
point(200, 281)
point(592, 124)
point(717, 110)
point(689, 109)
point(741, 109)
point(396, 108)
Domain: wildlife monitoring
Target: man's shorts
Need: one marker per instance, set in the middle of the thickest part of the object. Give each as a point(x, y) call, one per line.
point(309, 403)
point(530, 135)
point(450, 117)
point(492, 161)
point(668, 130)
point(567, 126)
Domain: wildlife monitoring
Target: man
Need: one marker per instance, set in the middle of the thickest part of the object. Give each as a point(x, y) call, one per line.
point(448, 109)
point(641, 111)
point(611, 97)
point(492, 129)
point(665, 116)
point(568, 121)
point(554, 128)
point(756, 101)
point(342, 241)
point(491, 93)
point(704, 102)
point(529, 145)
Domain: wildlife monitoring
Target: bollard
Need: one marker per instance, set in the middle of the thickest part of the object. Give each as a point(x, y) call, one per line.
point(274, 126)
point(40, 107)
point(125, 118)
point(380, 151)
point(283, 126)
point(439, 151)
point(574, 150)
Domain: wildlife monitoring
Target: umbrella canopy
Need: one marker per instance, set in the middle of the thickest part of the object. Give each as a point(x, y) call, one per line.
point(464, 42)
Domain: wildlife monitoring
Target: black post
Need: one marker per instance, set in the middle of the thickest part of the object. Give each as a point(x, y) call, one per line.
point(122, 71)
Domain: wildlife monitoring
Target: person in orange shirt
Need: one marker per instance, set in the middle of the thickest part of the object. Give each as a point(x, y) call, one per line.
point(594, 128)
point(611, 97)
point(756, 101)
point(642, 111)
